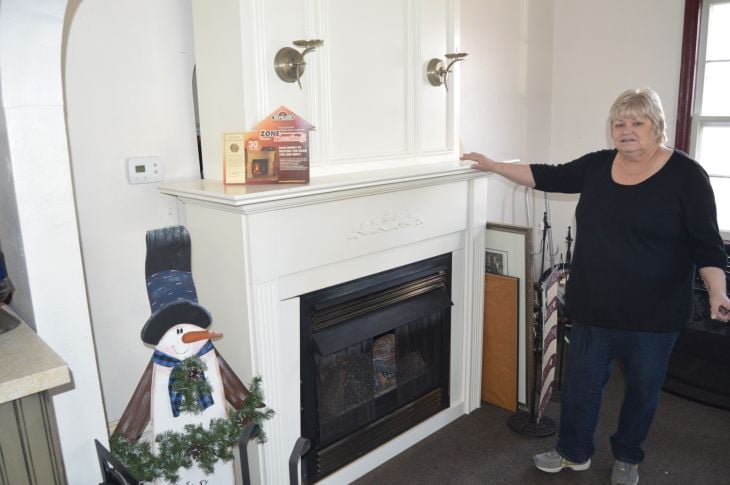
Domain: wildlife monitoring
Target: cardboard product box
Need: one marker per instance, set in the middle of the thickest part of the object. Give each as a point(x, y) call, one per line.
point(277, 149)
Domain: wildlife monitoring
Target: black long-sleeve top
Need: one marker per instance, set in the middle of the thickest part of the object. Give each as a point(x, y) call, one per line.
point(636, 246)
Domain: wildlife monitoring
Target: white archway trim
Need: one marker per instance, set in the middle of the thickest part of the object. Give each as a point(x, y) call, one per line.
point(38, 226)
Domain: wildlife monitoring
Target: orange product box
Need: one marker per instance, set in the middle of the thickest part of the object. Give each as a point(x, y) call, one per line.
point(276, 150)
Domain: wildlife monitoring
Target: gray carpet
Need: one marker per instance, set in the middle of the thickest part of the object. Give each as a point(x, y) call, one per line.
point(689, 444)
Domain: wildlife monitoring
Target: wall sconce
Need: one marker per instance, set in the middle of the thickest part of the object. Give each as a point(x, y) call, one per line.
point(437, 74)
point(289, 63)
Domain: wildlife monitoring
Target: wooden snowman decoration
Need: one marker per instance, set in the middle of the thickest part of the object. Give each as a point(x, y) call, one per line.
point(178, 331)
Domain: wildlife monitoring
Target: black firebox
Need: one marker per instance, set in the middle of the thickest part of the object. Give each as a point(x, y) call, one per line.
point(374, 361)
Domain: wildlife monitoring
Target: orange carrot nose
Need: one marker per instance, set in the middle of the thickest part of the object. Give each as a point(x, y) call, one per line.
point(191, 337)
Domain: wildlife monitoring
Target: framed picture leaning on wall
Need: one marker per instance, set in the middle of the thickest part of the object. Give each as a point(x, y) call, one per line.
point(508, 252)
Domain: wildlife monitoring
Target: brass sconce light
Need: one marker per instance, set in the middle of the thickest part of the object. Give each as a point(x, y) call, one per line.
point(289, 63)
point(437, 74)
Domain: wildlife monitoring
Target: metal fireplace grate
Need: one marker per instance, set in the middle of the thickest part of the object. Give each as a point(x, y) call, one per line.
point(367, 439)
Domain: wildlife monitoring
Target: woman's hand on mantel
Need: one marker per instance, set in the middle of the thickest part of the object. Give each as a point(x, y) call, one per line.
point(481, 162)
point(518, 173)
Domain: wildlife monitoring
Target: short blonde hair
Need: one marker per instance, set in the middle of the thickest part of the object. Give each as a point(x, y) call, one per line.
point(642, 102)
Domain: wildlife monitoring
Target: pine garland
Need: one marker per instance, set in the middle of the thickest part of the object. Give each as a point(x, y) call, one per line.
point(204, 447)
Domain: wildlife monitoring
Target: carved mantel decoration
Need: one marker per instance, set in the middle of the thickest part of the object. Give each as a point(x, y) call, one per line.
point(391, 220)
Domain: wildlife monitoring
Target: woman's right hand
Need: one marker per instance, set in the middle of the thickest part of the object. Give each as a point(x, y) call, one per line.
point(516, 172)
point(480, 161)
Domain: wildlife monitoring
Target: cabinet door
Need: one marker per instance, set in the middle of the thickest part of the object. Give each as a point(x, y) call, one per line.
point(365, 89)
point(369, 100)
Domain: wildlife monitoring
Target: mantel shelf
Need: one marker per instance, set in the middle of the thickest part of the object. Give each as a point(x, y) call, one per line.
point(256, 198)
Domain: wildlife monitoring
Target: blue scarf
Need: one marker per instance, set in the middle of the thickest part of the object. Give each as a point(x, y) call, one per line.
point(161, 358)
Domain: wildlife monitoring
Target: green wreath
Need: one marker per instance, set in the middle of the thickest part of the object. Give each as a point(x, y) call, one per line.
point(189, 380)
point(204, 447)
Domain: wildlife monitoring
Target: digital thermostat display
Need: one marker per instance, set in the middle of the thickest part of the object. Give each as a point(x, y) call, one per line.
point(143, 170)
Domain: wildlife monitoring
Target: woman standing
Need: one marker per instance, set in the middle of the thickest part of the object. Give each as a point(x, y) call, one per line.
point(646, 217)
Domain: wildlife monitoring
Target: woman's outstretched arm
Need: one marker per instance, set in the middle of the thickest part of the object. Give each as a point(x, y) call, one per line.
point(518, 173)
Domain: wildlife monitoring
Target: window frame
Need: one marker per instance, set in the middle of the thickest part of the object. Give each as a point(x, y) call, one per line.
point(687, 76)
point(689, 119)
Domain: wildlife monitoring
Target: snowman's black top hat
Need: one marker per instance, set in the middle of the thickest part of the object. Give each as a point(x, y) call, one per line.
point(170, 285)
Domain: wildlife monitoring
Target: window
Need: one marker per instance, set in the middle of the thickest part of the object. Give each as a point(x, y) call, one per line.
point(703, 127)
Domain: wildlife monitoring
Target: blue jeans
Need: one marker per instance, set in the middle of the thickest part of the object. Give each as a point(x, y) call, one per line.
point(644, 357)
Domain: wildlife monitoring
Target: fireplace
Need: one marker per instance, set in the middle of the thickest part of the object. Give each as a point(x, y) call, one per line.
point(374, 361)
point(258, 251)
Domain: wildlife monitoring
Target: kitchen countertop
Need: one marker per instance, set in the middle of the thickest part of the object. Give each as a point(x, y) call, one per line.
point(27, 364)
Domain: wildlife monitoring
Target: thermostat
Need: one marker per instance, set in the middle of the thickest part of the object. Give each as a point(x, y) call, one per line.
point(144, 170)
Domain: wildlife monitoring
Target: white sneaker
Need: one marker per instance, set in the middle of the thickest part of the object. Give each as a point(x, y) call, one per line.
point(552, 462)
point(624, 473)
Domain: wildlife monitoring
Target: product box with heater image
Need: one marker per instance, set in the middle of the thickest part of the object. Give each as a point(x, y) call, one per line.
point(276, 150)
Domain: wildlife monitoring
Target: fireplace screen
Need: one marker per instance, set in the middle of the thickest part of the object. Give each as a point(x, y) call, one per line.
point(375, 354)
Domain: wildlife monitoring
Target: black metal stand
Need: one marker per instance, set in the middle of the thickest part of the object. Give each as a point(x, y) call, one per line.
point(301, 447)
point(564, 328)
point(524, 423)
point(112, 470)
point(249, 432)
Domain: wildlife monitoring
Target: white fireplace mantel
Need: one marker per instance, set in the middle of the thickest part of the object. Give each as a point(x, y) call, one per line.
point(258, 198)
point(256, 249)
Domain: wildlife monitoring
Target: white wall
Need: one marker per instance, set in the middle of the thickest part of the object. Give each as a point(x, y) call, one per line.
point(498, 89)
point(541, 76)
point(506, 93)
point(600, 49)
point(128, 77)
point(38, 225)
